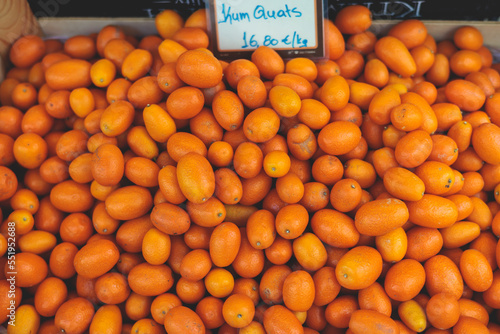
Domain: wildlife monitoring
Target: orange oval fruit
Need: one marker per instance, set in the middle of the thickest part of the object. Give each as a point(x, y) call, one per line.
point(370, 321)
point(404, 280)
point(485, 140)
point(196, 177)
point(475, 270)
point(413, 148)
point(74, 315)
point(181, 319)
point(325, 221)
point(432, 211)
point(96, 258)
point(335, 93)
point(298, 291)
point(403, 184)
point(353, 19)
point(395, 55)
point(225, 242)
point(443, 275)
point(359, 268)
point(129, 202)
point(68, 74)
point(279, 319)
point(339, 137)
point(381, 216)
point(199, 69)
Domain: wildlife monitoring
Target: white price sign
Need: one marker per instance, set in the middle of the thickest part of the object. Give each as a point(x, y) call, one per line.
point(292, 27)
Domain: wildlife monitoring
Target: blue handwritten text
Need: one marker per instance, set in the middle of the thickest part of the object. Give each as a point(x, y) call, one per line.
point(292, 40)
point(259, 13)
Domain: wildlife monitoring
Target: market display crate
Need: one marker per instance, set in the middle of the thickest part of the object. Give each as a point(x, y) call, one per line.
point(333, 239)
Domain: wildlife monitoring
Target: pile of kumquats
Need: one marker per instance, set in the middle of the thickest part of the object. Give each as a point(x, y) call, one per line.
point(148, 187)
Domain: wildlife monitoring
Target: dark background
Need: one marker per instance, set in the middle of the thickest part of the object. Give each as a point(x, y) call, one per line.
point(469, 10)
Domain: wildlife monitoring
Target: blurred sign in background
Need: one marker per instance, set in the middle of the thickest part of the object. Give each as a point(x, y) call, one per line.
point(476, 10)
